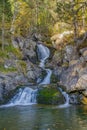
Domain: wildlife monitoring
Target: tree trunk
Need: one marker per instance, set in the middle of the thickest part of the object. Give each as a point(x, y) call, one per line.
point(3, 26)
point(12, 29)
point(83, 18)
point(75, 24)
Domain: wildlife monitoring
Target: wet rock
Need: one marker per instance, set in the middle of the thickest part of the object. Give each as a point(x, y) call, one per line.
point(74, 98)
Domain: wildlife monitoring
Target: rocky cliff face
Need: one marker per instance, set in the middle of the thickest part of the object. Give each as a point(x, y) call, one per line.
point(70, 66)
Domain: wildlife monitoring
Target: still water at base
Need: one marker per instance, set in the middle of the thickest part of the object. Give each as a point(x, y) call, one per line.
point(40, 117)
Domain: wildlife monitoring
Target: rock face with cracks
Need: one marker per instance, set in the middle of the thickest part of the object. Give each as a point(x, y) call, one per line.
point(71, 70)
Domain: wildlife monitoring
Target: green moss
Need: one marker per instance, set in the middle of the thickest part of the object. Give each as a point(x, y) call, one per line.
point(6, 70)
point(22, 63)
point(15, 51)
point(48, 95)
point(10, 49)
point(22, 66)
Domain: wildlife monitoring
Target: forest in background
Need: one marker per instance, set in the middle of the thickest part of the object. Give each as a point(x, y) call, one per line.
point(25, 17)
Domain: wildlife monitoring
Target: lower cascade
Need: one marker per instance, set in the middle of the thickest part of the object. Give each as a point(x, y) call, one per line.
point(26, 96)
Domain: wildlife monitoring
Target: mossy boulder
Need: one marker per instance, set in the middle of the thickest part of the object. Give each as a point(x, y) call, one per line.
point(49, 94)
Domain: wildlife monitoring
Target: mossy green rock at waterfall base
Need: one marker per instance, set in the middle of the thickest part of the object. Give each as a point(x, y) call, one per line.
point(49, 95)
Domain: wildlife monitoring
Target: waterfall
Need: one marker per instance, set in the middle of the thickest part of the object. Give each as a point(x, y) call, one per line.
point(27, 96)
point(66, 96)
point(46, 80)
point(43, 53)
point(24, 96)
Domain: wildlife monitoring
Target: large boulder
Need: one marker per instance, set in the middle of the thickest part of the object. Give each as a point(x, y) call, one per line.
point(74, 78)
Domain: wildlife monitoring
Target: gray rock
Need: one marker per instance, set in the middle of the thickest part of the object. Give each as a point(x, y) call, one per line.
point(70, 53)
point(33, 71)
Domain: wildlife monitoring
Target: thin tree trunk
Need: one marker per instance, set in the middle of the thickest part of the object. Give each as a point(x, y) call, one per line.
point(3, 26)
point(12, 29)
point(83, 18)
point(75, 28)
point(74, 20)
point(36, 11)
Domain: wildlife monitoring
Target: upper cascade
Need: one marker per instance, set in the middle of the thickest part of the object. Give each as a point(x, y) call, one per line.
point(43, 53)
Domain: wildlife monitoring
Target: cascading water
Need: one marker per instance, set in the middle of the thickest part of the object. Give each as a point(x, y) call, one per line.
point(27, 96)
point(46, 80)
point(66, 96)
point(44, 53)
point(24, 96)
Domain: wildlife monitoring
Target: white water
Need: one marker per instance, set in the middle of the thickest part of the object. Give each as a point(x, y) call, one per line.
point(43, 56)
point(66, 96)
point(26, 96)
point(46, 80)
